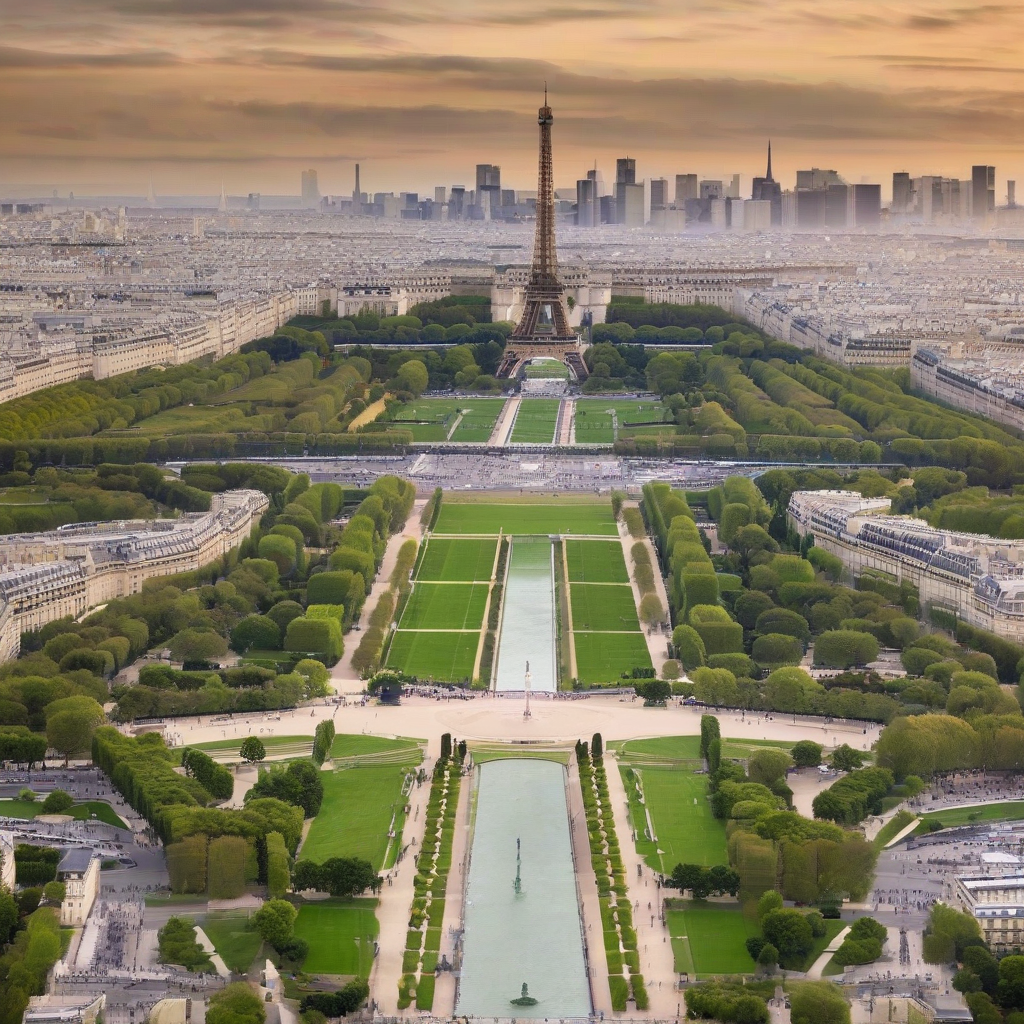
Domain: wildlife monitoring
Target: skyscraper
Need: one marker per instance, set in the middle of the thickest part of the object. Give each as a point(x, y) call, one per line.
point(586, 203)
point(983, 191)
point(902, 192)
point(310, 188)
point(867, 205)
point(625, 175)
point(768, 189)
point(659, 193)
point(686, 188)
point(488, 187)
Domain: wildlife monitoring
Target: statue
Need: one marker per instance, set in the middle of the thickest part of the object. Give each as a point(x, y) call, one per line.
point(525, 999)
point(518, 883)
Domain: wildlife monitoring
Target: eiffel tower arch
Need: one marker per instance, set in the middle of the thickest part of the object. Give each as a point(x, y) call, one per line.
point(543, 328)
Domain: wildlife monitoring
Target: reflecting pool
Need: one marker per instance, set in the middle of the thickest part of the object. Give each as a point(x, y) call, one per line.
point(528, 619)
point(533, 936)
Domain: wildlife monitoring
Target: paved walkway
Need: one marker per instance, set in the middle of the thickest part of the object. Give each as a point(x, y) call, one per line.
point(343, 675)
point(558, 720)
point(657, 642)
point(653, 943)
point(814, 974)
point(444, 990)
point(506, 418)
point(395, 904)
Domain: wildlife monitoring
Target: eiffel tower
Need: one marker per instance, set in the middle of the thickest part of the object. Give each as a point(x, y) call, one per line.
point(543, 328)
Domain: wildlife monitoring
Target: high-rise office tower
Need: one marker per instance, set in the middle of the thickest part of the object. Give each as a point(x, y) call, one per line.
point(686, 188)
point(456, 202)
point(836, 199)
point(488, 187)
point(817, 178)
point(733, 189)
point(587, 208)
point(625, 175)
point(866, 202)
point(711, 190)
point(1011, 193)
point(983, 191)
point(769, 190)
point(310, 188)
point(440, 194)
point(659, 193)
point(902, 192)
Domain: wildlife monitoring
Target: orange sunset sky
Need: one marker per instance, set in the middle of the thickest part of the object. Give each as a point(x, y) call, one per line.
point(188, 94)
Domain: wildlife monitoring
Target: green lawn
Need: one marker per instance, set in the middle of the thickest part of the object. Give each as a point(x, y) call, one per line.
point(479, 417)
point(482, 754)
point(451, 560)
point(602, 608)
point(1010, 810)
point(232, 937)
point(445, 657)
point(708, 938)
point(340, 934)
point(595, 425)
point(356, 745)
point(445, 606)
point(603, 657)
point(535, 421)
point(686, 830)
point(546, 369)
point(356, 814)
point(429, 419)
point(271, 743)
point(570, 517)
point(595, 561)
point(678, 748)
point(81, 812)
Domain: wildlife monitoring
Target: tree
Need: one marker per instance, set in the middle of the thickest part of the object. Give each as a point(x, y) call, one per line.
point(790, 933)
point(768, 958)
point(689, 646)
point(57, 802)
point(256, 632)
point(652, 611)
point(777, 649)
point(845, 759)
point(806, 754)
point(192, 645)
point(54, 892)
point(818, 1002)
point(769, 901)
point(252, 749)
point(842, 648)
point(412, 376)
point(70, 723)
point(298, 784)
point(767, 765)
point(275, 921)
point(596, 747)
point(236, 1004)
point(653, 691)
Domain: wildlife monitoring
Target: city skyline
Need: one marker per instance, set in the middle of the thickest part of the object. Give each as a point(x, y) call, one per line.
point(190, 95)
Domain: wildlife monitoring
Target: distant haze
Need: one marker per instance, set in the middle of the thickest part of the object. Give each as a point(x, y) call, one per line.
point(189, 94)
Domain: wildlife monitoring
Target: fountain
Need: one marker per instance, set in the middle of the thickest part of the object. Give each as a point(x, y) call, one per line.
point(525, 999)
point(518, 883)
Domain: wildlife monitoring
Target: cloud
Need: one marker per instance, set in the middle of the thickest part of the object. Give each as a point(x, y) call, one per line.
point(16, 57)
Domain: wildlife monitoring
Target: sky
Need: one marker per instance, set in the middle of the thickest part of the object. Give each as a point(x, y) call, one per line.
point(192, 94)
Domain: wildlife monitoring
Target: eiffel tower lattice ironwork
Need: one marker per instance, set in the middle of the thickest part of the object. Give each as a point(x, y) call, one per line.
point(544, 318)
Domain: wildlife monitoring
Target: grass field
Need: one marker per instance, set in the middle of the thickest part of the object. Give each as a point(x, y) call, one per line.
point(484, 753)
point(687, 748)
point(431, 419)
point(84, 811)
point(445, 606)
point(271, 743)
point(686, 830)
point(445, 657)
point(340, 934)
point(603, 608)
point(232, 937)
point(535, 421)
point(355, 745)
point(451, 560)
point(546, 369)
point(603, 657)
point(708, 938)
point(595, 561)
point(355, 815)
point(593, 518)
point(596, 419)
point(1010, 810)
